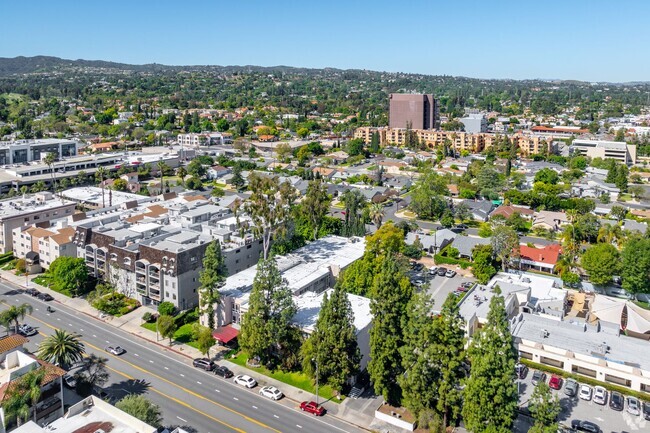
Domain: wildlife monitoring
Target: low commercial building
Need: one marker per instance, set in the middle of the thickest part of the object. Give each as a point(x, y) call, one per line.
point(21, 151)
point(619, 151)
point(474, 122)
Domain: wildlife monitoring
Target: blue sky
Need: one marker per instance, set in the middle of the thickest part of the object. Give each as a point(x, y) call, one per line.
point(572, 39)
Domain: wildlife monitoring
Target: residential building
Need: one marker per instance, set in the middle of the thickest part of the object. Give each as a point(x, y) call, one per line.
point(465, 245)
point(619, 151)
point(480, 209)
point(432, 243)
point(15, 363)
point(59, 244)
point(474, 122)
point(22, 151)
point(37, 209)
point(539, 259)
point(91, 414)
point(557, 131)
point(413, 111)
point(507, 211)
point(548, 220)
point(202, 139)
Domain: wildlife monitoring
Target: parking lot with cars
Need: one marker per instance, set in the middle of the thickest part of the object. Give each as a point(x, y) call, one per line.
point(584, 406)
point(439, 282)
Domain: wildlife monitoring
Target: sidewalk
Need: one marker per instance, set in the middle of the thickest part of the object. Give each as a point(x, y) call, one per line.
point(131, 322)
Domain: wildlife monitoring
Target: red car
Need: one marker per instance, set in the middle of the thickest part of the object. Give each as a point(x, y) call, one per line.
point(312, 407)
point(555, 382)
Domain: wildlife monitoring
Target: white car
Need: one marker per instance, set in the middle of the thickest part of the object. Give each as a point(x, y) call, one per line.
point(271, 392)
point(633, 406)
point(585, 392)
point(245, 380)
point(115, 350)
point(600, 395)
point(26, 330)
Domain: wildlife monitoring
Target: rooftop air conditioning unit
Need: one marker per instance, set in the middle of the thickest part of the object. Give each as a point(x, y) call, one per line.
point(544, 333)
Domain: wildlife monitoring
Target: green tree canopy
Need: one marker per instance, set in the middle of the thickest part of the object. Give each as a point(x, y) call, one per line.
point(61, 348)
point(141, 408)
point(635, 264)
point(601, 261)
point(210, 277)
point(69, 274)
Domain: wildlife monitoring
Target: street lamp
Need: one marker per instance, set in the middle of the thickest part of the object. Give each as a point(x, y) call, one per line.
point(316, 361)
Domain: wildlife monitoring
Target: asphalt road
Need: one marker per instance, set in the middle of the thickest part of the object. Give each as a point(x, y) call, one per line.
point(189, 397)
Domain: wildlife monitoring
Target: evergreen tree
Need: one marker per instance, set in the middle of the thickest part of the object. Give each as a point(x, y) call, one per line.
point(266, 326)
point(333, 344)
point(491, 392)
point(374, 143)
point(391, 293)
point(316, 205)
point(210, 277)
point(545, 408)
point(237, 180)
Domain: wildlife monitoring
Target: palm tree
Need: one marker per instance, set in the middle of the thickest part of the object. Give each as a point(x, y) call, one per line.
point(14, 315)
point(50, 159)
point(610, 234)
point(22, 394)
point(376, 214)
point(100, 175)
point(162, 167)
point(62, 348)
point(181, 172)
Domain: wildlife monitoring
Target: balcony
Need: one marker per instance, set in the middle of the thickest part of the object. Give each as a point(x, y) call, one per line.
point(47, 407)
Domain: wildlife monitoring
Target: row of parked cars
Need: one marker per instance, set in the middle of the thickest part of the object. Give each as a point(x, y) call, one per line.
point(270, 392)
point(598, 394)
point(38, 295)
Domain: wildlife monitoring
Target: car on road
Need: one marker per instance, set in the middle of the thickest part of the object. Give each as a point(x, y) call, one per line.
point(616, 401)
point(571, 388)
point(633, 406)
point(220, 370)
point(600, 395)
point(442, 271)
point(586, 426)
point(245, 380)
point(312, 407)
point(45, 297)
point(203, 363)
point(271, 392)
point(32, 292)
point(521, 370)
point(26, 330)
point(646, 410)
point(555, 382)
point(450, 273)
point(115, 350)
point(585, 392)
point(538, 376)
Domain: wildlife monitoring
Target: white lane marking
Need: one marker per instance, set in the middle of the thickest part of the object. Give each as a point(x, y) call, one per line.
point(166, 368)
point(136, 354)
point(107, 341)
point(94, 336)
point(235, 398)
point(35, 309)
point(199, 382)
point(298, 425)
point(182, 375)
point(254, 407)
point(275, 416)
point(58, 319)
point(150, 361)
point(217, 390)
point(81, 330)
point(184, 420)
point(70, 325)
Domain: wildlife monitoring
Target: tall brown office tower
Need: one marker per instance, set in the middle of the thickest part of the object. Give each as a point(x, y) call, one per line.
point(420, 111)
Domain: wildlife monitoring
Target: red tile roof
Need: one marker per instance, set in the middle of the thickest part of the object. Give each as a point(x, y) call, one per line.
point(225, 334)
point(549, 254)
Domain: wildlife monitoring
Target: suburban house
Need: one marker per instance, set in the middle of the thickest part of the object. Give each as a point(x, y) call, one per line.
point(507, 211)
point(432, 243)
point(548, 220)
point(480, 209)
point(217, 171)
point(465, 245)
point(539, 259)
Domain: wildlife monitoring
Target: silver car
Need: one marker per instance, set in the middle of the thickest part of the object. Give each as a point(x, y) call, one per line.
point(271, 392)
point(633, 406)
point(600, 395)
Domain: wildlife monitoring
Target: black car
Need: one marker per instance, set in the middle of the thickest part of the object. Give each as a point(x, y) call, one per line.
point(521, 370)
point(33, 292)
point(222, 371)
point(646, 410)
point(45, 297)
point(585, 426)
point(203, 363)
point(616, 401)
point(442, 271)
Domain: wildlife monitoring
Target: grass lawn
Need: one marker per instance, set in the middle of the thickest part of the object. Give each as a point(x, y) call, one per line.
point(297, 379)
point(624, 197)
point(45, 281)
point(409, 214)
point(182, 335)
point(643, 305)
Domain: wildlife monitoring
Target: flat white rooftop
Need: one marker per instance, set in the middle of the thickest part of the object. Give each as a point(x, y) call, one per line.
point(309, 306)
point(93, 195)
point(21, 205)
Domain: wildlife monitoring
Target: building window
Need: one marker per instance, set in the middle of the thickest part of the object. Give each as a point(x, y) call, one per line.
point(193, 259)
point(174, 297)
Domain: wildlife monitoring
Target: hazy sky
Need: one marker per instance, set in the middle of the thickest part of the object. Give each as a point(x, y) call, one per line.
point(591, 40)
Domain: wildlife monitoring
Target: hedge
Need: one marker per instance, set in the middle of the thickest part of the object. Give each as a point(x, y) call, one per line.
point(585, 379)
point(440, 259)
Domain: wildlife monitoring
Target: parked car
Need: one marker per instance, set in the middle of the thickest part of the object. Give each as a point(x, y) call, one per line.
point(555, 382)
point(271, 392)
point(600, 395)
point(646, 410)
point(203, 363)
point(442, 271)
point(32, 292)
point(462, 226)
point(538, 376)
point(433, 270)
point(585, 392)
point(521, 370)
point(70, 379)
point(115, 350)
point(245, 380)
point(571, 388)
point(222, 371)
point(312, 407)
point(26, 330)
point(616, 400)
point(44, 297)
point(450, 273)
point(586, 426)
point(467, 284)
point(633, 406)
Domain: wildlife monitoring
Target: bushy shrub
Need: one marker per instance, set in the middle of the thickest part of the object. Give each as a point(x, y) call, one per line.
point(115, 304)
point(166, 309)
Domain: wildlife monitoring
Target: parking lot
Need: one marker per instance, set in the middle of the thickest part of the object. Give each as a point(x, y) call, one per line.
point(607, 419)
point(439, 287)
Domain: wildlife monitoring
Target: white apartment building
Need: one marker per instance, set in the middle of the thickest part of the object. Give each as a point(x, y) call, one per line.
point(616, 150)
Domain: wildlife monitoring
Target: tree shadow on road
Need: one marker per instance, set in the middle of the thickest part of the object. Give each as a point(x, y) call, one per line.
point(121, 389)
point(567, 404)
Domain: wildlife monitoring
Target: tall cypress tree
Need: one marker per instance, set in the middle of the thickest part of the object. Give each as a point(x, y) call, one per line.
point(213, 273)
point(391, 293)
point(491, 391)
point(333, 344)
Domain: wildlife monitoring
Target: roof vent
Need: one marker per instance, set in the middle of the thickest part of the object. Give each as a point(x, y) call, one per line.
point(544, 333)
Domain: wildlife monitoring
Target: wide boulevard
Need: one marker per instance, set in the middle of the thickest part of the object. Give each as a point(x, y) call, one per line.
point(188, 397)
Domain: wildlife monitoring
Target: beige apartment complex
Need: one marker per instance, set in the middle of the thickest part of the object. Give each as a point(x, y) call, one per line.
point(473, 143)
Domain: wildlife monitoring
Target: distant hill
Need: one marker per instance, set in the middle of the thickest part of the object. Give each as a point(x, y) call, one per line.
point(28, 65)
